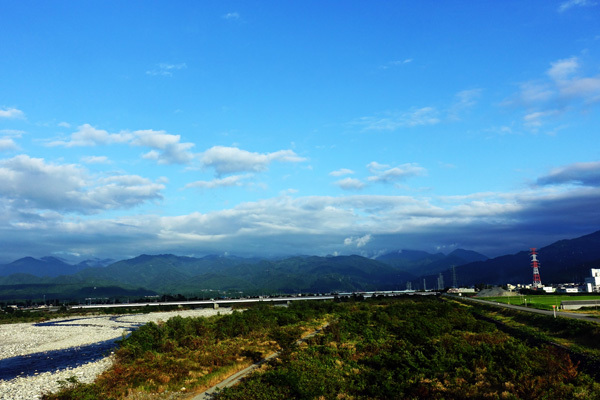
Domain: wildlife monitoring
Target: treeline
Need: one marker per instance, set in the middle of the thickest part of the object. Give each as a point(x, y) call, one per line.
point(384, 348)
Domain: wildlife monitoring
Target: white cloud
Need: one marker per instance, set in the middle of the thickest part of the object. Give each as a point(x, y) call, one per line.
point(12, 132)
point(95, 160)
point(562, 92)
point(358, 241)
point(123, 191)
point(226, 160)
point(587, 89)
point(341, 172)
point(535, 119)
point(382, 173)
point(501, 130)
point(87, 135)
point(232, 16)
point(463, 101)
point(494, 224)
point(574, 3)
point(350, 184)
point(569, 87)
point(396, 63)
point(562, 69)
point(7, 144)
point(64, 124)
point(165, 69)
point(533, 93)
point(11, 113)
point(233, 180)
point(32, 184)
point(166, 148)
point(396, 120)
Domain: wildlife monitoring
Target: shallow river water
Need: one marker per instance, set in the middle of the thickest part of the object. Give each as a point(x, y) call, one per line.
point(33, 357)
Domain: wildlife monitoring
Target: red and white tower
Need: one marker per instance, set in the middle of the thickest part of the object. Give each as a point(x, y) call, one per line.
point(537, 281)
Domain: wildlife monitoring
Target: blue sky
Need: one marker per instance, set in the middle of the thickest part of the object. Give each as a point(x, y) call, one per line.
point(313, 127)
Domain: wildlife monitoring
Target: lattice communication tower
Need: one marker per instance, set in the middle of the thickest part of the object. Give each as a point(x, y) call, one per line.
point(535, 264)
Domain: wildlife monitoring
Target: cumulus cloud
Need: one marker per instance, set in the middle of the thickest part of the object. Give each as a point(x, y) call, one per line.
point(350, 184)
point(123, 191)
point(7, 144)
point(31, 183)
point(11, 113)
point(166, 148)
point(586, 174)
point(386, 174)
point(87, 135)
point(233, 180)
point(341, 172)
point(226, 160)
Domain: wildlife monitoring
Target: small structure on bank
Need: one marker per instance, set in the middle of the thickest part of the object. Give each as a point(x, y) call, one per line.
point(593, 283)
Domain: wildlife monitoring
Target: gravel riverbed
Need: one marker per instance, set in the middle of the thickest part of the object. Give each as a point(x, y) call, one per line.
point(22, 339)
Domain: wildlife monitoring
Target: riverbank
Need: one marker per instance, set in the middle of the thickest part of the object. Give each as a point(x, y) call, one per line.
point(23, 339)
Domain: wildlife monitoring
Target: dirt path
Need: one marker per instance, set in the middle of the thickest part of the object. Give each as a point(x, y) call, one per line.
point(235, 378)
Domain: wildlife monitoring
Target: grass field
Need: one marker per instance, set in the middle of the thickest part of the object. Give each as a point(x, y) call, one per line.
point(542, 301)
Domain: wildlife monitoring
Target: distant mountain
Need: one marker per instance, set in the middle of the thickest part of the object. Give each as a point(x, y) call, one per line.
point(563, 261)
point(409, 260)
point(46, 266)
point(174, 274)
point(49, 266)
point(423, 263)
point(467, 256)
point(455, 259)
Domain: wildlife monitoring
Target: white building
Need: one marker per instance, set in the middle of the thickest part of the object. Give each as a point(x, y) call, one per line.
point(593, 283)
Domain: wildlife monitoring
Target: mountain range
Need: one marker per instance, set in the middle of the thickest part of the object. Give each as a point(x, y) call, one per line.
point(563, 261)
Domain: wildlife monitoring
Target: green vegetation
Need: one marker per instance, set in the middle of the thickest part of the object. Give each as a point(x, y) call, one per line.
point(419, 348)
point(578, 335)
point(384, 348)
point(542, 301)
point(193, 353)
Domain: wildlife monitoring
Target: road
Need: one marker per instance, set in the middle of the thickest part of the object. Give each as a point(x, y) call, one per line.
point(587, 317)
point(235, 378)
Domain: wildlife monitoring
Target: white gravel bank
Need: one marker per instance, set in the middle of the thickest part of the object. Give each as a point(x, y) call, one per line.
point(22, 339)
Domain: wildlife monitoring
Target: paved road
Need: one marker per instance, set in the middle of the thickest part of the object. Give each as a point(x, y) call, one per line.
point(235, 378)
point(587, 317)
